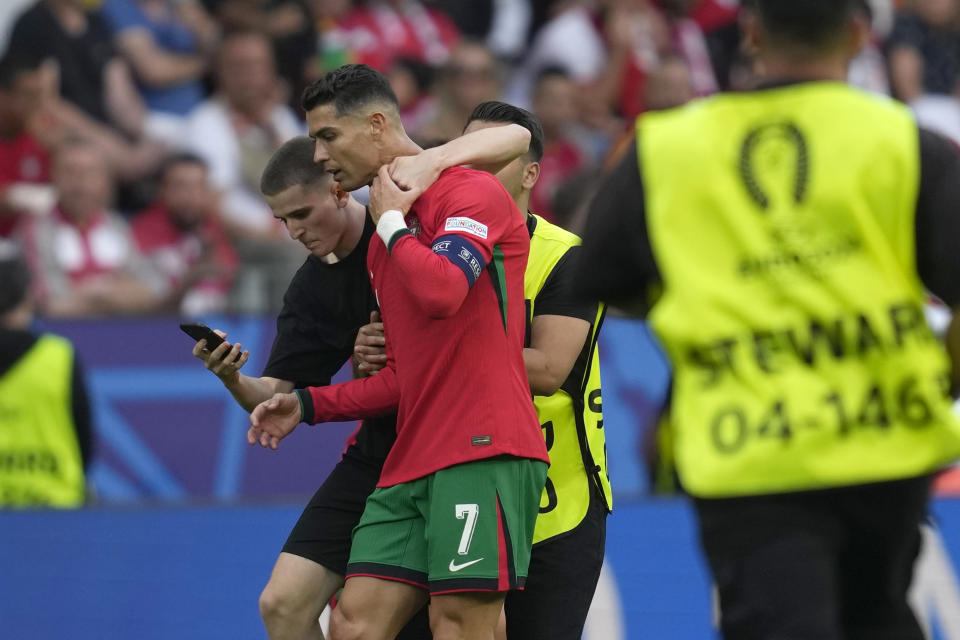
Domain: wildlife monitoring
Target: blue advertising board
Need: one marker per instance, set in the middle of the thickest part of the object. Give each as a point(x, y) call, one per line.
point(167, 430)
point(196, 572)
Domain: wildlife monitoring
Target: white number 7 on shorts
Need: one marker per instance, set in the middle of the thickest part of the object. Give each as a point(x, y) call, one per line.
point(468, 511)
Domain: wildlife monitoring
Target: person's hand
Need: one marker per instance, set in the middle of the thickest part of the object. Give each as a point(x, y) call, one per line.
point(273, 420)
point(386, 195)
point(416, 173)
point(224, 361)
point(369, 351)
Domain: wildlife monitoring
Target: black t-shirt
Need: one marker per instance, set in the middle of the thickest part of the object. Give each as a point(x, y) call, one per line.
point(618, 264)
point(14, 344)
point(323, 308)
point(82, 59)
point(939, 49)
point(556, 298)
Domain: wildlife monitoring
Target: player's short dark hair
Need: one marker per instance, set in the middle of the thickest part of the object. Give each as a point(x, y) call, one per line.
point(812, 23)
point(15, 64)
point(292, 164)
point(349, 87)
point(181, 158)
point(496, 111)
point(14, 277)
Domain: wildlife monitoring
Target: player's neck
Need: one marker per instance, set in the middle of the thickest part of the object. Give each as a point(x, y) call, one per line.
point(523, 202)
point(396, 145)
point(790, 66)
point(356, 218)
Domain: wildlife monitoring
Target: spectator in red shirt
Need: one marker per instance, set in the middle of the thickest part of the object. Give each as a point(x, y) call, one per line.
point(382, 30)
point(554, 103)
point(183, 239)
point(24, 161)
point(83, 257)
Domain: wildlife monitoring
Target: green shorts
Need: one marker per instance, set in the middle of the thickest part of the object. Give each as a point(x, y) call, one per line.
point(468, 527)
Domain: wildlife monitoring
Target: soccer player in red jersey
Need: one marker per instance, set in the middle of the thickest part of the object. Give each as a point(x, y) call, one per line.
point(457, 500)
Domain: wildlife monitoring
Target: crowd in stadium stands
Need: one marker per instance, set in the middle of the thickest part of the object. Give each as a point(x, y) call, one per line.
point(133, 132)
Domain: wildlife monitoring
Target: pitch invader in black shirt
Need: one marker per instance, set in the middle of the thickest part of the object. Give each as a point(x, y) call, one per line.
point(327, 301)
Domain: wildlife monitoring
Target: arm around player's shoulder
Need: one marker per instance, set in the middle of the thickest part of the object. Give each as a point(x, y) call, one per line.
point(938, 217)
point(474, 204)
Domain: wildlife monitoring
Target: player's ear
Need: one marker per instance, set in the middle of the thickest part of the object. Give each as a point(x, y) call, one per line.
point(377, 123)
point(531, 173)
point(339, 195)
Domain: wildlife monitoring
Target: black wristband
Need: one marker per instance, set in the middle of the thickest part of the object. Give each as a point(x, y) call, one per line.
point(396, 236)
point(306, 406)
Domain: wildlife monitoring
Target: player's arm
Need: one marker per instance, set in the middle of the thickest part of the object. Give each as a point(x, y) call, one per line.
point(555, 343)
point(559, 328)
point(277, 417)
point(438, 278)
point(938, 232)
point(491, 149)
point(225, 362)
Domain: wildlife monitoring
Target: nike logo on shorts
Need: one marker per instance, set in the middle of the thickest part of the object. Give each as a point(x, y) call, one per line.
point(454, 567)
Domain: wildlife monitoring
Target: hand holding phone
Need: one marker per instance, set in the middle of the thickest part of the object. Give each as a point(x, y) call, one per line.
point(218, 355)
point(199, 331)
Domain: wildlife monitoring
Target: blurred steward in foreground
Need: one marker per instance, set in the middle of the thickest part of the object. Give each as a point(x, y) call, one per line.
point(45, 434)
point(780, 241)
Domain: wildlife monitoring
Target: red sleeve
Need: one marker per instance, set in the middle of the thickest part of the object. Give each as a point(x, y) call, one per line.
point(378, 395)
point(476, 208)
point(435, 283)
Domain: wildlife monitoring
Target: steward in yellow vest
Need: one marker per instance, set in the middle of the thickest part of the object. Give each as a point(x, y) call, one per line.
point(44, 419)
point(563, 366)
point(782, 240)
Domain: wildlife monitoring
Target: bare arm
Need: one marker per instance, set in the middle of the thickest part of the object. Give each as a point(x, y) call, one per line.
point(225, 362)
point(154, 66)
point(123, 101)
point(555, 344)
point(487, 149)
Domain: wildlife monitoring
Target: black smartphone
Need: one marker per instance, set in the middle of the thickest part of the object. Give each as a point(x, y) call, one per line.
point(199, 331)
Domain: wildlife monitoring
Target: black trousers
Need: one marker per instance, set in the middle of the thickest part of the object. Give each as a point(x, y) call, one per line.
point(560, 584)
point(820, 565)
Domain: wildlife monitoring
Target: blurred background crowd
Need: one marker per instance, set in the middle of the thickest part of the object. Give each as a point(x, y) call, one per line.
point(133, 132)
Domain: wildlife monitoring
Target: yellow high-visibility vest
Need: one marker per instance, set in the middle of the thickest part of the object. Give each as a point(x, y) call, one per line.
point(40, 462)
point(782, 221)
point(571, 418)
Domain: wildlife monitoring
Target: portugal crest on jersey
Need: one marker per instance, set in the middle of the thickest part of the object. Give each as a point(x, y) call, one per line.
point(413, 223)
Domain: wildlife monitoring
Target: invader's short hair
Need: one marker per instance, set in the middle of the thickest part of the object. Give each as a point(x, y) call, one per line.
point(292, 164)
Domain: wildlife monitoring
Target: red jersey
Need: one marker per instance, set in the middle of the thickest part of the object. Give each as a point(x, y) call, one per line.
point(175, 251)
point(22, 159)
point(455, 369)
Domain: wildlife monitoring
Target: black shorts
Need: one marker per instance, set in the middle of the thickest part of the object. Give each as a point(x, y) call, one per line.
point(563, 576)
point(323, 532)
point(833, 564)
